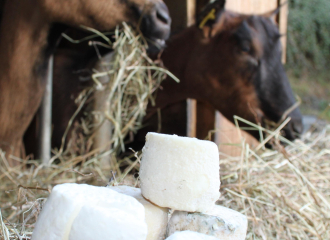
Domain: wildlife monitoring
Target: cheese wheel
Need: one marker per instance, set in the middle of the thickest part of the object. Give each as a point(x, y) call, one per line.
point(179, 172)
point(67, 202)
point(220, 222)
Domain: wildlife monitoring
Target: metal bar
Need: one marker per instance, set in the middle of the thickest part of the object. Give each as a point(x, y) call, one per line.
point(45, 116)
point(191, 103)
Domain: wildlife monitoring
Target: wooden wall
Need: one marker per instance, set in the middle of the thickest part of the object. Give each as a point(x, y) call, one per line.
point(251, 6)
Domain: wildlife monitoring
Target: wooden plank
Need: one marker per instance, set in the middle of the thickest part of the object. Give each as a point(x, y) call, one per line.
point(251, 6)
point(229, 139)
point(191, 12)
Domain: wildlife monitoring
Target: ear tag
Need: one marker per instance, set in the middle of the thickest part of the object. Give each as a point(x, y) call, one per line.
point(209, 16)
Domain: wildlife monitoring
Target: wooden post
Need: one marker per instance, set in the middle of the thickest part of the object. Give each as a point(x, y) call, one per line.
point(45, 116)
point(191, 103)
point(103, 134)
point(283, 25)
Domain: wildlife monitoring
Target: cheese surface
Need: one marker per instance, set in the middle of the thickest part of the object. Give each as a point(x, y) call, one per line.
point(156, 217)
point(220, 222)
point(179, 172)
point(68, 204)
point(189, 235)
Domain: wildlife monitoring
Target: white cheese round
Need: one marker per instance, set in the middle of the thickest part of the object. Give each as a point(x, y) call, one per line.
point(179, 172)
point(73, 205)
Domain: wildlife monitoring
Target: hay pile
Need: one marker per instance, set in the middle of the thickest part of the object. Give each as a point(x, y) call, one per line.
point(284, 192)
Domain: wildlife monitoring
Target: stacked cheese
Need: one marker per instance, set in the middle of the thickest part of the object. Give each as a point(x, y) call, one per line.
point(183, 174)
point(176, 172)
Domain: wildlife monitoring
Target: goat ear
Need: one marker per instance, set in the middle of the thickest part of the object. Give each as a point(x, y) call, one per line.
point(210, 13)
point(273, 13)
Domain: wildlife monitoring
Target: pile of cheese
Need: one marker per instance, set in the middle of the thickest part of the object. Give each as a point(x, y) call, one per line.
point(176, 173)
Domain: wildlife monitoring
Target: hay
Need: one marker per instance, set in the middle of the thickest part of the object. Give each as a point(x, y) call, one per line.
point(127, 82)
point(285, 193)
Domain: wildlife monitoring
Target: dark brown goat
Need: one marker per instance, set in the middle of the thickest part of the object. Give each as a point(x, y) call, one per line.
point(233, 63)
point(29, 33)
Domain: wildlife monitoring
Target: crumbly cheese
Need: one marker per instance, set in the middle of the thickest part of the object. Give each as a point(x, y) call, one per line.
point(189, 235)
point(179, 172)
point(156, 217)
point(71, 210)
point(220, 222)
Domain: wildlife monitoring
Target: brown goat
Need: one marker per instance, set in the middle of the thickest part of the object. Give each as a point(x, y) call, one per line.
point(29, 33)
point(234, 64)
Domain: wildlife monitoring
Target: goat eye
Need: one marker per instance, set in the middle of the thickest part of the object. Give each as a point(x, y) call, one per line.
point(245, 48)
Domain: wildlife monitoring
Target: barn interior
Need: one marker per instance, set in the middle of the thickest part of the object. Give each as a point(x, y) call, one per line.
point(281, 186)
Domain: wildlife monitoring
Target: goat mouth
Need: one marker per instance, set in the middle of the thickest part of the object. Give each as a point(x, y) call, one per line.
point(155, 45)
point(158, 42)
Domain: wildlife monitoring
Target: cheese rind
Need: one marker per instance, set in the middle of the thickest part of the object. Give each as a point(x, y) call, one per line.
point(185, 235)
point(156, 217)
point(220, 222)
point(66, 202)
point(179, 172)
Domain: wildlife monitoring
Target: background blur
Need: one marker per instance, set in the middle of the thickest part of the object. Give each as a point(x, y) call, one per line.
point(308, 54)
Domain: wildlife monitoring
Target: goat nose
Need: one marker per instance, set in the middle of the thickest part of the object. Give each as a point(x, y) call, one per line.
point(162, 22)
point(162, 14)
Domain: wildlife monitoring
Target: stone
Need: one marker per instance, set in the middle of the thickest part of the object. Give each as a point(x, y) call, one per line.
point(180, 173)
